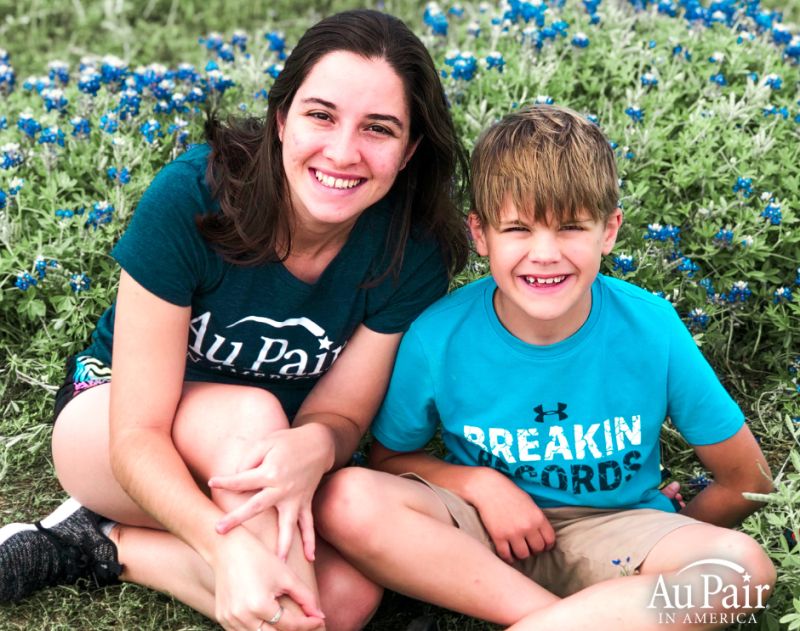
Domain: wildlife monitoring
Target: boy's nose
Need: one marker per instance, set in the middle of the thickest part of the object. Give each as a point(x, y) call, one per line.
point(543, 247)
point(342, 148)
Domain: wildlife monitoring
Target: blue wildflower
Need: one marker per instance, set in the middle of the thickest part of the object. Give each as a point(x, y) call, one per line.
point(101, 214)
point(592, 118)
point(113, 70)
point(580, 40)
point(649, 80)
point(40, 266)
point(657, 232)
point(80, 282)
point(717, 57)
point(719, 79)
point(187, 72)
point(739, 292)
point(25, 281)
point(773, 81)
point(3, 198)
point(37, 84)
point(3, 123)
point(772, 212)
point(474, 29)
point(28, 124)
point(456, 10)
point(212, 42)
point(58, 71)
point(178, 129)
point(667, 7)
point(7, 78)
point(15, 185)
point(495, 60)
point(699, 482)
point(163, 89)
point(80, 127)
point(689, 266)
point(119, 176)
point(109, 122)
point(273, 70)
point(54, 99)
point(436, 19)
point(706, 284)
point(89, 82)
point(277, 41)
point(781, 34)
point(217, 81)
point(543, 99)
point(744, 185)
point(239, 40)
point(774, 110)
point(10, 156)
point(723, 238)
point(782, 294)
point(624, 263)
point(698, 319)
point(796, 278)
point(51, 136)
point(636, 113)
point(151, 130)
point(196, 95)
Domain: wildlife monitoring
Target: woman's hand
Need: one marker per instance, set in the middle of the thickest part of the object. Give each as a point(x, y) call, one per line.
point(518, 533)
point(284, 472)
point(251, 583)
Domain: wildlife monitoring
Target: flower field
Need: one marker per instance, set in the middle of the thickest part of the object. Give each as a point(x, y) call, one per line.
point(701, 102)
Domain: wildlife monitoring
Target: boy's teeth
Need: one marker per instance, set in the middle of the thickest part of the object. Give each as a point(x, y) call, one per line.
point(335, 182)
point(535, 280)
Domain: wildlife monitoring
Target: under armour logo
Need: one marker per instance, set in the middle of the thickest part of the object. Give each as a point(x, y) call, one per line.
point(541, 413)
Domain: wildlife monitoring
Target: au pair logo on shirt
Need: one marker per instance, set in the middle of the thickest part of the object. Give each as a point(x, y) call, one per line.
point(295, 348)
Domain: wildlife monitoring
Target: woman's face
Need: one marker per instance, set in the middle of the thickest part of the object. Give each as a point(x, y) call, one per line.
point(344, 139)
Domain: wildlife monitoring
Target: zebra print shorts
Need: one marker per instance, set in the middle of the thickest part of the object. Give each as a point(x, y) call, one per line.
point(83, 372)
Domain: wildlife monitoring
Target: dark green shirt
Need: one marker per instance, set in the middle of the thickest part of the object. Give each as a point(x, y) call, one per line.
point(261, 325)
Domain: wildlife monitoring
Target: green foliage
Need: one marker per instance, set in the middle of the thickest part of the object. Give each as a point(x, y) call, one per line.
point(679, 166)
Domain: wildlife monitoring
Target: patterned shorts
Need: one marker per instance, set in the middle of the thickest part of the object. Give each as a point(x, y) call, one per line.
point(83, 372)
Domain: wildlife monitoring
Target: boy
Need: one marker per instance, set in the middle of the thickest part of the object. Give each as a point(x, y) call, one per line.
point(550, 384)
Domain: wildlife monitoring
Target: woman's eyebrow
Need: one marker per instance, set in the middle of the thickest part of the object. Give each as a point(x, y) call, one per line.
point(388, 118)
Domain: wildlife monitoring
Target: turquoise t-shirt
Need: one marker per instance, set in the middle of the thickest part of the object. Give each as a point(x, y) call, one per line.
point(261, 325)
point(574, 423)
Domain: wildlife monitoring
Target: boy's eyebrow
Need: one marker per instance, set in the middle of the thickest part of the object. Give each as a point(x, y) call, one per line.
point(389, 118)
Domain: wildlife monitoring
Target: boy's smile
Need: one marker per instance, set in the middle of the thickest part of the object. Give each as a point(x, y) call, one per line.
point(544, 272)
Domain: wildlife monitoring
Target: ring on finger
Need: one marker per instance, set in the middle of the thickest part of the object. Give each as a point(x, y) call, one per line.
point(276, 618)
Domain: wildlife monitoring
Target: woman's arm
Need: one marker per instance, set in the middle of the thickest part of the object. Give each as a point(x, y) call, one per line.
point(150, 338)
point(737, 466)
point(325, 433)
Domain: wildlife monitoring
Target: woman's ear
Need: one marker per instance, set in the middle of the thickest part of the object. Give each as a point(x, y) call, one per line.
point(280, 120)
point(412, 147)
point(478, 236)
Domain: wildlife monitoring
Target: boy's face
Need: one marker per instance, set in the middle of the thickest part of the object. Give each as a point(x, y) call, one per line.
point(544, 273)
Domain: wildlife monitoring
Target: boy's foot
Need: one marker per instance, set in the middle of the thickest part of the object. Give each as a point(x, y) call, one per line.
point(423, 623)
point(65, 546)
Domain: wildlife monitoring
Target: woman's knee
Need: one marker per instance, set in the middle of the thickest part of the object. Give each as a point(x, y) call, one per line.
point(348, 505)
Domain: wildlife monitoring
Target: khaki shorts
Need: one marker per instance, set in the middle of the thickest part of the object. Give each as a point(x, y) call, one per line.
point(592, 545)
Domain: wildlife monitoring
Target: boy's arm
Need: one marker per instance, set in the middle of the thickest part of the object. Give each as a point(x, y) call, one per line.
point(738, 466)
point(517, 526)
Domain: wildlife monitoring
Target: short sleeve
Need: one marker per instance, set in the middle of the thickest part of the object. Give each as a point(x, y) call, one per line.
point(408, 417)
point(396, 302)
point(699, 405)
point(162, 248)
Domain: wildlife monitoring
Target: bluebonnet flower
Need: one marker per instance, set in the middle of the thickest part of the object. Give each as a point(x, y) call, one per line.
point(54, 99)
point(782, 294)
point(649, 80)
point(739, 292)
point(7, 77)
point(719, 79)
point(212, 42)
point(436, 19)
point(273, 70)
point(772, 212)
point(717, 57)
point(151, 129)
point(80, 282)
point(40, 265)
point(51, 136)
point(773, 81)
point(781, 34)
point(464, 64)
point(10, 156)
point(177, 103)
point(744, 185)
point(792, 50)
point(3, 123)
point(580, 40)
point(774, 110)
point(624, 263)
point(37, 84)
point(67, 213)
point(225, 52)
point(543, 99)
point(474, 29)
point(689, 266)
point(101, 214)
point(58, 71)
point(89, 82)
point(163, 89)
point(109, 122)
point(657, 232)
point(3, 198)
point(723, 238)
point(456, 10)
point(699, 482)
point(796, 278)
point(113, 70)
point(698, 319)
point(636, 113)
point(15, 185)
point(667, 7)
point(277, 41)
point(186, 72)
point(706, 284)
point(239, 40)
point(118, 176)
point(495, 60)
point(80, 127)
point(217, 81)
point(592, 118)
point(25, 281)
point(178, 128)
point(196, 95)
point(28, 124)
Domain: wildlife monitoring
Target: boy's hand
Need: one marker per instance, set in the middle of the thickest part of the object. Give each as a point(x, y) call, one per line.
point(517, 526)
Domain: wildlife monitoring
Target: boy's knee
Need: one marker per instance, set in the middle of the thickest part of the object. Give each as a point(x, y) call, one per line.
point(745, 551)
point(347, 505)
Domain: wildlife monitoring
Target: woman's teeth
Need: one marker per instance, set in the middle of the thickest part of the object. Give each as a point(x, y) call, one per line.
point(335, 182)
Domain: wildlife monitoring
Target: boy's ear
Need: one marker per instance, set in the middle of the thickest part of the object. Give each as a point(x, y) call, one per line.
point(478, 237)
point(613, 224)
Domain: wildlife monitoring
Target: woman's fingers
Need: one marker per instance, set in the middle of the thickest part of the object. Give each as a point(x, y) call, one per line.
point(252, 507)
point(248, 480)
point(287, 520)
point(307, 534)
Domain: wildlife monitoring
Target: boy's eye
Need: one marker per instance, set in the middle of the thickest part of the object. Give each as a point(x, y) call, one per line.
point(514, 229)
point(572, 226)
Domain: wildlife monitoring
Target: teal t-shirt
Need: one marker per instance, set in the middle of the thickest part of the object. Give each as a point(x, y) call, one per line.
point(261, 325)
point(575, 423)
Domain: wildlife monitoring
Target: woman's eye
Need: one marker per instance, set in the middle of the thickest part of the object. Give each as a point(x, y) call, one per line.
point(380, 129)
point(323, 116)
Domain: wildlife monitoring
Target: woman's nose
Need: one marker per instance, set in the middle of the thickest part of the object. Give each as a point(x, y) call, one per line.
point(341, 148)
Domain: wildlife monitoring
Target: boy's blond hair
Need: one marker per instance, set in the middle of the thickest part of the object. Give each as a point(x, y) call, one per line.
point(550, 161)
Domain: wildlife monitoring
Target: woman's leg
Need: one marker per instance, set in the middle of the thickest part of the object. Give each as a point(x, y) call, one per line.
point(215, 424)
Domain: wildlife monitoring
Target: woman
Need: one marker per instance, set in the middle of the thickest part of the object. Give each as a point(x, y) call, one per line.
point(291, 254)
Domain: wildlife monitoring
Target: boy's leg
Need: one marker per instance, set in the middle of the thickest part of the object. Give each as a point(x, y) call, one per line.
point(399, 533)
point(651, 599)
